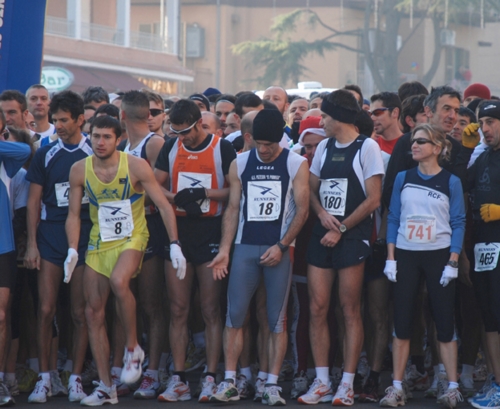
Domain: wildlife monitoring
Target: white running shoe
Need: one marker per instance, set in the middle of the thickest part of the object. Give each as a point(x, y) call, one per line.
point(12, 386)
point(176, 391)
point(450, 398)
point(344, 395)
point(393, 398)
point(318, 392)
point(149, 388)
point(122, 389)
point(58, 389)
point(6, 398)
point(299, 385)
point(100, 395)
point(272, 395)
point(132, 365)
point(245, 388)
point(41, 392)
point(259, 389)
point(208, 388)
point(226, 391)
point(75, 389)
point(432, 392)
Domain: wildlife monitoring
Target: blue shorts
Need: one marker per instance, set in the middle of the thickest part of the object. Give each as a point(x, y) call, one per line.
point(157, 237)
point(244, 279)
point(53, 244)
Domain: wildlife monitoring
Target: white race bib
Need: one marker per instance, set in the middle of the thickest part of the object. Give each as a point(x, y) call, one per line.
point(187, 180)
point(486, 256)
point(420, 229)
point(115, 220)
point(333, 195)
point(263, 201)
point(62, 195)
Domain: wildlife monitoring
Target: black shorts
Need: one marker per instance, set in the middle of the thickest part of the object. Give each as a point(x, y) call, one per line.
point(200, 239)
point(375, 263)
point(157, 234)
point(346, 253)
point(8, 270)
point(53, 244)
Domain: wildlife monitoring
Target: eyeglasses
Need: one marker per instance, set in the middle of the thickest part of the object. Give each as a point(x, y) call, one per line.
point(421, 141)
point(155, 112)
point(183, 131)
point(379, 111)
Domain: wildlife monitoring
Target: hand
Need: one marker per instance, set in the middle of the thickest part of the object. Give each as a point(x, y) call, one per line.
point(331, 238)
point(328, 221)
point(449, 273)
point(32, 258)
point(178, 261)
point(190, 195)
point(470, 136)
point(391, 270)
point(193, 210)
point(70, 264)
point(271, 257)
point(490, 212)
point(219, 265)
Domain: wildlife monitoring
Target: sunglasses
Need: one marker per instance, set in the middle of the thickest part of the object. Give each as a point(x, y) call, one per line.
point(379, 111)
point(183, 131)
point(155, 112)
point(421, 141)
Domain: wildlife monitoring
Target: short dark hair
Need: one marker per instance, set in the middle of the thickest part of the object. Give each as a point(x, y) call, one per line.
point(247, 99)
point(154, 97)
point(184, 111)
point(269, 105)
point(357, 89)
point(14, 95)
point(106, 121)
point(108, 109)
point(410, 88)
point(226, 97)
point(436, 93)
point(36, 86)
point(168, 103)
point(411, 106)
point(135, 104)
point(389, 100)
point(67, 101)
point(95, 94)
point(345, 99)
point(92, 107)
point(364, 122)
point(464, 111)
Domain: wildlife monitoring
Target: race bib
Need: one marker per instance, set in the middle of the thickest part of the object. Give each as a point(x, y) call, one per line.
point(187, 180)
point(420, 229)
point(115, 220)
point(264, 201)
point(62, 195)
point(333, 194)
point(486, 256)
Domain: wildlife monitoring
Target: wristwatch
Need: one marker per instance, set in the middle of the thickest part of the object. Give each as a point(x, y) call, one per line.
point(176, 242)
point(452, 263)
point(281, 246)
point(342, 228)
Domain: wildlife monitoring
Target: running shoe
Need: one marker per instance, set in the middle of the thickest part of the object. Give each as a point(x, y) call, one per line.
point(75, 390)
point(432, 391)
point(450, 398)
point(132, 365)
point(286, 371)
point(176, 391)
point(466, 385)
point(318, 392)
point(480, 372)
point(344, 395)
point(259, 389)
point(6, 398)
point(272, 395)
point(299, 385)
point(393, 398)
point(27, 380)
point(226, 391)
point(12, 386)
point(163, 378)
point(41, 392)
point(442, 384)
point(122, 389)
point(416, 381)
point(148, 389)
point(357, 385)
point(363, 368)
point(196, 357)
point(245, 388)
point(370, 391)
point(486, 388)
point(208, 388)
point(490, 400)
point(57, 387)
point(100, 395)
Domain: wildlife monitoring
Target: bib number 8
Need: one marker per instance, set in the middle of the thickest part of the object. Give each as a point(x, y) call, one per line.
point(118, 228)
point(266, 208)
point(332, 202)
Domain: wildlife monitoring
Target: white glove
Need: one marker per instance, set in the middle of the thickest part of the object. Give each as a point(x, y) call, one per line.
point(449, 273)
point(390, 270)
point(70, 264)
point(178, 261)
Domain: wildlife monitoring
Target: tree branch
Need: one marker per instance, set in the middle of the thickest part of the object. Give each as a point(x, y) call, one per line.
point(429, 75)
point(415, 28)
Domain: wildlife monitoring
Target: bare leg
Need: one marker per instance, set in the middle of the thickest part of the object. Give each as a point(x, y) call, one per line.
point(80, 334)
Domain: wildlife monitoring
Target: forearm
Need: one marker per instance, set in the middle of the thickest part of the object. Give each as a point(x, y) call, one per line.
point(391, 247)
point(229, 226)
point(73, 225)
point(168, 217)
point(366, 208)
point(32, 218)
point(219, 195)
point(295, 226)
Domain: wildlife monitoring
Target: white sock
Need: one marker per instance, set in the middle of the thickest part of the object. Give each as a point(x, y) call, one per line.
point(398, 385)
point(68, 366)
point(153, 373)
point(117, 371)
point(272, 379)
point(247, 372)
point(348, 378)
point(230, 375)
point(163, 360)
point(33, 362)
point(453, 385)
point(199, 339)
point(262, 375)
point(467, 371)
point(322, 375)
point(442, 369)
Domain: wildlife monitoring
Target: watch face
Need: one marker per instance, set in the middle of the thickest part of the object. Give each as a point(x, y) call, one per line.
point(342, 228)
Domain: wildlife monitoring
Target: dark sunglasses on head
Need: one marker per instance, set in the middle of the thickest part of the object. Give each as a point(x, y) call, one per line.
point(155, 112)
point(378, 111)
point(421, 141)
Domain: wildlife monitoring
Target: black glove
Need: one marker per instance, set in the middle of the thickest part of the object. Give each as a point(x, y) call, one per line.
point(193, 210)
point(190, 195)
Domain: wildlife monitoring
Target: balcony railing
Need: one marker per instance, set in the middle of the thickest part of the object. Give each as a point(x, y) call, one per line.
point(104, 34)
